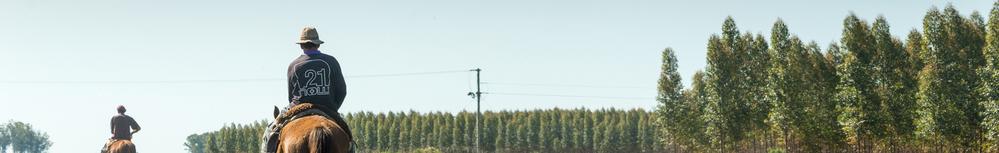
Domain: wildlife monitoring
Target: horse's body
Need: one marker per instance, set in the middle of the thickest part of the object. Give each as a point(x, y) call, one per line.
point(121, 146)
point(313, 133)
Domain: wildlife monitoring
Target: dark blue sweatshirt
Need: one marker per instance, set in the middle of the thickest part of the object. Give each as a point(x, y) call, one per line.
point(316, 78)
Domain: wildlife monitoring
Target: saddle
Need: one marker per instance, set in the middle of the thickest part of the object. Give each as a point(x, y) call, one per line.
point(107, 145)
point(295, 111)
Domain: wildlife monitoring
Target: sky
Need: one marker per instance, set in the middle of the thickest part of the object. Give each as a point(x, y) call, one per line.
point(190, 66)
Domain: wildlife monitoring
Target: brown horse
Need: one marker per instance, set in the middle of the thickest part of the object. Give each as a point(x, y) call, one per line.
point(311, 131)
point(121, 146)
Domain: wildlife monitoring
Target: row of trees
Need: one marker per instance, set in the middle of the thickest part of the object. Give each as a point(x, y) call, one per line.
point(244, 138)
point(552, 130)
point(870, 92)
point(20, 137)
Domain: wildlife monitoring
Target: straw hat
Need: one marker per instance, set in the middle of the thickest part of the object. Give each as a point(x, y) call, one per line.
point(309, 35)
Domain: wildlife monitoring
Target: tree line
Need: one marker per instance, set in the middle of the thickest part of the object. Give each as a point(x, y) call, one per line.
point(20, 137)
point(936, 90)
point(550, 130)
point(232, 138)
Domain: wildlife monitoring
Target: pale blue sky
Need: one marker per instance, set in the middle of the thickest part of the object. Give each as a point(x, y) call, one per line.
point(67, 45)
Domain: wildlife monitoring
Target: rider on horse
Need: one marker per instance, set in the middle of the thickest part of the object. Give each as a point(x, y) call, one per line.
point(313, 78)
point(122, 127)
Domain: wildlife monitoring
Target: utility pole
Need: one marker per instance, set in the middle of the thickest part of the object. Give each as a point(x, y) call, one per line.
point(478, 104)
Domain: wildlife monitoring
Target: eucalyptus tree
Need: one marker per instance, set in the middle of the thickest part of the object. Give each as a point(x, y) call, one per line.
point(787, 115)
point(823, 132)
point(990, 78)
point(862, 115)
point(671, 110)
point(950, 112)
point(736, 78)
point(896, 85)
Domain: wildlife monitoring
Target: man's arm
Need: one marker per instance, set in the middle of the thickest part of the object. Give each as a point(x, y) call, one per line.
point(135, 126)
point(291, 73)
point(112, 125)
point(340, 86)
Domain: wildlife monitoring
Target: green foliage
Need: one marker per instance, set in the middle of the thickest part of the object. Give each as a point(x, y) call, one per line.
point(860, 105)
point(877, 86)
point(21, 137)
point(776, 150)
point(950, 111)
point(990, 79)
point(428, 150)
point(4, 138)
point(232, 138)
point(672, 110)
point(727, 110)
point(869, 92)
point(552, 130)
point(802, 83)
point(896, 85)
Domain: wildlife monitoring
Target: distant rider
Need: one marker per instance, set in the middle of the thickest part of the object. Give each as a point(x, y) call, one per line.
point(122, 128)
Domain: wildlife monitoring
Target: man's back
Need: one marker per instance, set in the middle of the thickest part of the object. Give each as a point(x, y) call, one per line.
point(122, 125)
point(316, 78)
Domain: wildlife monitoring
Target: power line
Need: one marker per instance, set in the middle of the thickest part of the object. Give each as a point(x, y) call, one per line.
point(567, 96)
point(405, 74)
point(561, 85)
point(209, 80)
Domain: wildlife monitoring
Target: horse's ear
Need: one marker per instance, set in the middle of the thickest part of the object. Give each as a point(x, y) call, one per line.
point(276, 111)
